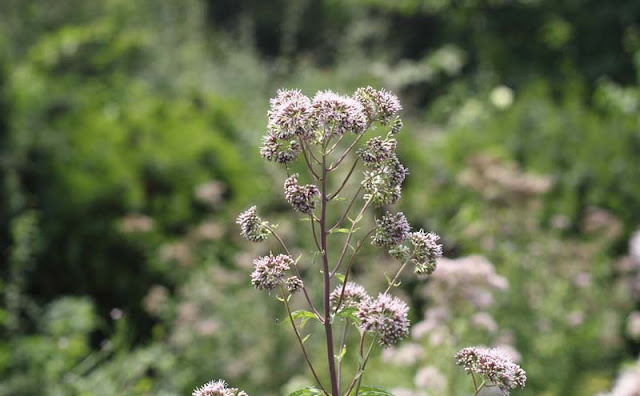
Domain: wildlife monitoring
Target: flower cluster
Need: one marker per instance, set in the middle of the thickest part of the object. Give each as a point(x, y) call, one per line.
point(300, 197)
point(251, 226)
point(293, 284)
point(354, 295)
point(426, 250)
point(217, 388)
point(270, 270)
point(288, 121)
point(280, 151)
point(289, 115)
point(378, 104)
point(494, 365)
point(391, 230)
point(336, 114)
point(385, 316)
point(378, 150)
point(295, 120)
point(497, 180)
point(382, 181)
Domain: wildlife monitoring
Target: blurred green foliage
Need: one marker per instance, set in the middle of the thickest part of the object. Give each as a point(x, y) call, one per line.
point(128, 144)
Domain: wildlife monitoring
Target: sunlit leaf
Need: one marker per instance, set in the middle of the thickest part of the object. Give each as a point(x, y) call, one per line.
point(301, 314)
point(373, 391)
point(307, 392)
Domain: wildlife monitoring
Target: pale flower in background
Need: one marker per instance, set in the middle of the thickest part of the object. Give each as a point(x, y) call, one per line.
point(501, 97)
point(211, 193)
point(633, 325)
point(135, 223)
point(406, 354)
point(627, 384)
point(634, 247)
point(432, 378)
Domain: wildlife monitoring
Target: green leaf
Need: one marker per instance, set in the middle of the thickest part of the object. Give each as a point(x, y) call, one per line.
point(339, 276)
point(342, 230)
point(301, 314)
point(307, 392)
point(343, 351)
point(349, 313)
point(373, 391)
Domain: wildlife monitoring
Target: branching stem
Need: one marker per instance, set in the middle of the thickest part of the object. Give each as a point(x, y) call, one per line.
point(300, 341)
point(295, 268)
point(346, 179)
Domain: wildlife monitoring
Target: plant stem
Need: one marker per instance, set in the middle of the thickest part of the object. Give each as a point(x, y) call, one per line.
point(395, 278)
point(351, 232)
point(343, 344)
point(479, 389)
point(327, 281)
point(363, 359)
point(344, 182)
point(346, 212)
point(347, 151)
point(353, 255)
point(295, 330)
point(306, 159)
point(295, 268)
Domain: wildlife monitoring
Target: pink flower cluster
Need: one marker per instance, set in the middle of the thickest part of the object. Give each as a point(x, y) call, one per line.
point(217, 388)
point(494, 365)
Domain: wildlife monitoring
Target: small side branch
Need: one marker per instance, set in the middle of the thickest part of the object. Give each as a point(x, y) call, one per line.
point(300, 341)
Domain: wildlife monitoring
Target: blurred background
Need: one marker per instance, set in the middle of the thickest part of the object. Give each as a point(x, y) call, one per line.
point(129, 136)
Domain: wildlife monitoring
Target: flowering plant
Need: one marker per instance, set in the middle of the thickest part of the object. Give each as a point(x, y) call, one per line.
point(324, 133)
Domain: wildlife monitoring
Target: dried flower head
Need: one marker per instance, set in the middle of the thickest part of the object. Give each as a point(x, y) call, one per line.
point(386, 316)
point(280, 151)
point(354, 295)
point(379, 105)
point(269, 271)
point(335, 114)
point(426, 250)
point(494, 365)
point(251, 226)
point(217, 388)
point(391, 230)
point(382, 181)
point(378, 150)
point(300, 197)
point(294, 284)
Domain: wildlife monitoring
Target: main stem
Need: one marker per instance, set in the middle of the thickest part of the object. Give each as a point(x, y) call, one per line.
point(335, 390)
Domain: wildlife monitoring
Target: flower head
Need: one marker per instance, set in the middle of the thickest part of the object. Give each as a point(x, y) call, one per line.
point(300, 197)
point(289, 115)
point(294, 284)
point(251, 226)
point(382, 181)
point(336, 114)
point(270, 270)
point(426, 250)
point(354, 295)
point(378, 150)
point(379, 105)
point(386, 316)
point(391, 230)
point(494, 365)
point(280, 151)
point(217, 388)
